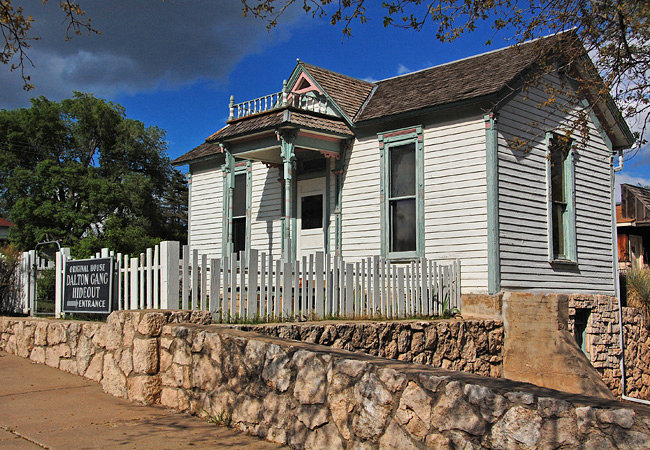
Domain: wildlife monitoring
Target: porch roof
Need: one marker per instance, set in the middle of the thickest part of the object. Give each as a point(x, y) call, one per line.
point(283, 117)
point(204, 150)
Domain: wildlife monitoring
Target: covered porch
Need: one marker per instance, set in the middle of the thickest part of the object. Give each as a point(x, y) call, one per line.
point(306, 143)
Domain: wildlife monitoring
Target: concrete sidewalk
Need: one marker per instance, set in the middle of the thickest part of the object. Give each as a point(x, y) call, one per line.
point(42, 407)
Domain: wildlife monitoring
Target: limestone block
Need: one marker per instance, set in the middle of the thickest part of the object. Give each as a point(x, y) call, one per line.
point(247, 409)
point(126, 361)
point(276, 372)
point(392, 379)
point(68, 365)
point(40, 333)
point(151, 324)
point(278, 410)
point(144, 389)
point(559, 433)
point(182, 353)
point(312, 416)
point(311, 379)
point(324, 437)
point(622, 417)
point(25, 341)
point(552, 407)
point(94, 370)
point(113, 380)
point(85, 351)
point(522, 398)
point(376, 405)
point(204, 374)
point(145, 355)
point(453, 412)
point(395, 438)
point(351, 367)
point(491, 405)
point(55, 333)
point(38, 355)
point(519, 427)
point(52, 357)
point(414, 411)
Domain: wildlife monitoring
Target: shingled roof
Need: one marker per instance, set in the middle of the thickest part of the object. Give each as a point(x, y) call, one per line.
point(456, 81)
point(262, 122)
point(202, 151)
point(347, 92)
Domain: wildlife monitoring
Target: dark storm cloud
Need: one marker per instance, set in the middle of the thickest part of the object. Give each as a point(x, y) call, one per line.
point(144, 44)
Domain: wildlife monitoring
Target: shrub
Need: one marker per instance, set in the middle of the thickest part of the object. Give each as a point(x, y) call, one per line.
point(638, 291)
point(9, 295)
point(638, 288)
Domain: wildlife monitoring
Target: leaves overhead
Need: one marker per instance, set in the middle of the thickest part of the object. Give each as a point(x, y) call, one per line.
point(615, 33)
point(80, 172)
point(16, 29)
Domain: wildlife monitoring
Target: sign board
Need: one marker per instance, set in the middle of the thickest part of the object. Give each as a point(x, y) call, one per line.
point(88, 286)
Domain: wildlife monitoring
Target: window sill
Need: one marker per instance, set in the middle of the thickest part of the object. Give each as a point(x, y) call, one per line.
point(403, 257)
point(564, 262)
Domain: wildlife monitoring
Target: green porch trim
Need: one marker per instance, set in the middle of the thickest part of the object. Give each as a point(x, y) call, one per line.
point(492, 185)
point(328, 199)
point(287, 140)
point(339, 167)
point(228, 188)
point(386, 140)
point(249, 204)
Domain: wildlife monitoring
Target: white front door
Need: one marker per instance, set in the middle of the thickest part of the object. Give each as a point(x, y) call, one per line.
point(311, 216)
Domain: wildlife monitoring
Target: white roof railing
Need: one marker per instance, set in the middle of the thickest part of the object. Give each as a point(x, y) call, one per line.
point(307, 101)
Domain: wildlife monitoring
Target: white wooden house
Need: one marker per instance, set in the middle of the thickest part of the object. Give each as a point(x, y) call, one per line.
point(418, 165)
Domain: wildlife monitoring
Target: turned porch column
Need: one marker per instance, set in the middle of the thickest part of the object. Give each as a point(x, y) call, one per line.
point(287, 140)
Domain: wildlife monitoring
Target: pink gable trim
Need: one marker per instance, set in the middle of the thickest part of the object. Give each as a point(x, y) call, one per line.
point(312, 86)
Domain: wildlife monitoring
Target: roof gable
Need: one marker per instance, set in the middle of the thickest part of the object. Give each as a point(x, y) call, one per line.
point(346, 92)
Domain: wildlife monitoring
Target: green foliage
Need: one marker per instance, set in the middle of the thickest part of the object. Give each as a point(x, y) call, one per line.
point(45, 291)
point(80, 172)
point(9, 258)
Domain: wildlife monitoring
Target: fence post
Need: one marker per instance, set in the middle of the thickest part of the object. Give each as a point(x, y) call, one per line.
point(169, 258)
point(59, 280)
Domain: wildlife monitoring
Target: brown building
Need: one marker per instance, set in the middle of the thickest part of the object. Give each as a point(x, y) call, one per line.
point(633, 227)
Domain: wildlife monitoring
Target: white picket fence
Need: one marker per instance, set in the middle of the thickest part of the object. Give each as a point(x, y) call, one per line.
point(262, 287)
point(27, 278)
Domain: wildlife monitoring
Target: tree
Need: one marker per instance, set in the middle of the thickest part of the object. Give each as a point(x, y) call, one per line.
point(16, 32)
point(615, 33)
point(80, 172)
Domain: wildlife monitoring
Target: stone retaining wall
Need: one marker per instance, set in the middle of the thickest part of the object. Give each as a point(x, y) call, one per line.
point(473, 346)
point(603, 347)
point(637, 354)
point(310, 396)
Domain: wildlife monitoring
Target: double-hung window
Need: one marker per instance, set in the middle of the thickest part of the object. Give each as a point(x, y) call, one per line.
point(561, 199)
point(236, 227)
point(402, 187)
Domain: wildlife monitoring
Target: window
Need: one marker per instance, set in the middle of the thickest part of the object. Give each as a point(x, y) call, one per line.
point(238, 238)
point(236, 229)
point(311, 212)
point(401, 190)
point(562, 246)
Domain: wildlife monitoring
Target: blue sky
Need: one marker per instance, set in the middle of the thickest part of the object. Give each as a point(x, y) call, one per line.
point(174, 64)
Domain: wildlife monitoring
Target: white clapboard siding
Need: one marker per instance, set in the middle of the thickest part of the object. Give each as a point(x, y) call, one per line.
point(361, 234)
point(455, 198)
point(523, 222)
point(266, 202)
point(206, 208)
